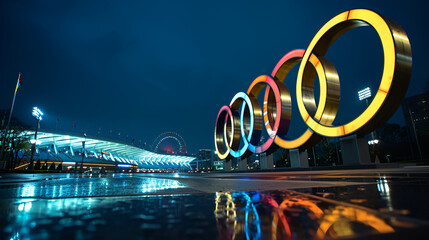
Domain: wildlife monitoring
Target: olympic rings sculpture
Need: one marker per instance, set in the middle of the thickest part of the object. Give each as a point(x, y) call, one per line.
point(233, 127)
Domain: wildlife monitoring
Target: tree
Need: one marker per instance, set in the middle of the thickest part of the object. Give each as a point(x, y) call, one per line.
point(45, 165)
point(283, 158)
point(326, 153)
point(37, 165)
point(52, 167)
point(60, 167)
point(15, 142)
point(19, 147)
point(393, 144)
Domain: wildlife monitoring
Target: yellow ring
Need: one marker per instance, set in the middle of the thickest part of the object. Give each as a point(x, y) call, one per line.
point(394, 81)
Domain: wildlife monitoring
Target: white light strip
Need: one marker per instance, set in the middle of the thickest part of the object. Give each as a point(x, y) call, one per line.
point(364, 94)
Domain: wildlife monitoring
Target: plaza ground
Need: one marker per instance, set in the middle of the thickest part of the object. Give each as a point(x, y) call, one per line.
point(361, 203)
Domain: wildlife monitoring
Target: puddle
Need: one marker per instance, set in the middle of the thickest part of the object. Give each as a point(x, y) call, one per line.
point(223, 215)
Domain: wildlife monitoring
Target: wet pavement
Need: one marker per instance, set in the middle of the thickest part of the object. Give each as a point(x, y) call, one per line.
point(334, 204)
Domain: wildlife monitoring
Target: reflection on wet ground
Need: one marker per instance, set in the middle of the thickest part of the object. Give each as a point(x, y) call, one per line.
point(88, 186)
point(388, 196)
point(154, 217)
point(391, 206)
point(289, 215)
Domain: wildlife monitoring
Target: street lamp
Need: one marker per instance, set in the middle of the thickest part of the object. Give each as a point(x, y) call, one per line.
point(37, 114)
point(365, 94)
point(83, 153)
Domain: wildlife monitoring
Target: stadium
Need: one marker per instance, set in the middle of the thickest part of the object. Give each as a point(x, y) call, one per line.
point(70, 151)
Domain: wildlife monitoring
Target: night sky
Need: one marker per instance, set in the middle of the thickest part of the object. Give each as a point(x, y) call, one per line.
point(142, 68)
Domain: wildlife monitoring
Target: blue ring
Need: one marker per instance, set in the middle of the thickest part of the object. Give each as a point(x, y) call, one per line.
point(246, 101)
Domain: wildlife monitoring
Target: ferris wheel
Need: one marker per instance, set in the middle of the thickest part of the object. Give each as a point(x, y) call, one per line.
point(170, 137)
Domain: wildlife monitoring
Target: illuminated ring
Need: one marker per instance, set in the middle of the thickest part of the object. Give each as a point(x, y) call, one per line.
point(329, 96)
point(394, 81)
point(393, 86)
point(251, 123)
point(223, 147)
point(283, 111)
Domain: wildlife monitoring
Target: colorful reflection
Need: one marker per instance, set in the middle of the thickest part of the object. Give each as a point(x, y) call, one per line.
point(225, 214)
point(290, 215)
point(160, 184)
point(90, 187)
point(344, 221)
point(246, 226)
point(384, 191)
point(251, 222)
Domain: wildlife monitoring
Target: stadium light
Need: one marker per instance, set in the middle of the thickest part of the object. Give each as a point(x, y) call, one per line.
point(37, 114)
point(364, 94)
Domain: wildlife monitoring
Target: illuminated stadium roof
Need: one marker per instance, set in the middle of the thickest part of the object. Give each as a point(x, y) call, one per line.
point(68, 148)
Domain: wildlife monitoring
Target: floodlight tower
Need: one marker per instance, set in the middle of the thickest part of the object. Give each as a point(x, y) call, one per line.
point(37, 114)
point(365, 94)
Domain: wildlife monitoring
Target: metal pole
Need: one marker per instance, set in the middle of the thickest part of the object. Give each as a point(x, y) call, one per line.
point(409, 142)
point(372, 133)
point(337, 152)
point(314, 156)
point(33, 148)
point(8, 121)
point(415, 134)
point(83, 154)
point(11, 110)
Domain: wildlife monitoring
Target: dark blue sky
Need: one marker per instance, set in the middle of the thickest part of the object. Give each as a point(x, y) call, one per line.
point(146, 67)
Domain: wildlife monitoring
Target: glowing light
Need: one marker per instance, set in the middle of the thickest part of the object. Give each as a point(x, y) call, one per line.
point(37, 114)
point(32, 141)
point(27, 206)
point(124, 165)
point(28, 191)
point(157, 185)
point(392, 79)
point(319, 118)
point(364, 94)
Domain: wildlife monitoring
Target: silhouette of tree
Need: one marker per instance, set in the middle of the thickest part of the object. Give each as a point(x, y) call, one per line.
point(283, 158)
point(16, 144)
point(393, 143)
point(37, 165)
point(45, 165)
point(60, 167)
point(325, 152)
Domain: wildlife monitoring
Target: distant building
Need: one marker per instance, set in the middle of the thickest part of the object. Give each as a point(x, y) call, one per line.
point(416, 114)
point(218, 165)
point(204, 154)
point(204, 160)
point(216, 162)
